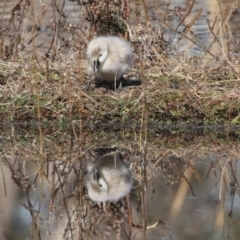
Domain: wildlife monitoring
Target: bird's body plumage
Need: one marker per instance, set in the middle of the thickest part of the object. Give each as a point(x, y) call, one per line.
point(109, 57)
point(110, 179)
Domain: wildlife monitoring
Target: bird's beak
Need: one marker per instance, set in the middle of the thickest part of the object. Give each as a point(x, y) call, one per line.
point(96, 65)
point(96, 175)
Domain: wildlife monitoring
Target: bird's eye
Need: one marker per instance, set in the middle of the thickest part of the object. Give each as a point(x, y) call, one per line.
point(100, 54)
point(100, 185)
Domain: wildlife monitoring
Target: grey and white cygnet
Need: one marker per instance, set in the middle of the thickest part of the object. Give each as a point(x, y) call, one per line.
point(109, 57)
point(109, 179)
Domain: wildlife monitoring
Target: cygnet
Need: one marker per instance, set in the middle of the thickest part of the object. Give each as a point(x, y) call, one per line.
point(109, 57)
point(109, 179)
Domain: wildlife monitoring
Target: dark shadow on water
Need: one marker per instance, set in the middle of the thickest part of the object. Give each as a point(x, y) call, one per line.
point(186, 130)
point(119, 125)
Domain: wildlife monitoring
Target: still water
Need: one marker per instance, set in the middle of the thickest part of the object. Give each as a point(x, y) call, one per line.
point(200, 20)
point(190, 186)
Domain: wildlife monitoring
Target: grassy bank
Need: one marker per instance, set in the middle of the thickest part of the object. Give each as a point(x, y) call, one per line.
point(176, 88)
point(185, 93)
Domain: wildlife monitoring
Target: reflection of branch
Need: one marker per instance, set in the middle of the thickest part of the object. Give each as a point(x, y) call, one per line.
point(222, 179)
point(63, 198)
point(181, 192)
point(157, 223)
point(233, 190)
point(129, 217)
point(233, 173)
point(22, 181)
point(182, 174)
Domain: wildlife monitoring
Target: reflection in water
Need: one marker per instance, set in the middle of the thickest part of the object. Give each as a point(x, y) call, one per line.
point(188, 186)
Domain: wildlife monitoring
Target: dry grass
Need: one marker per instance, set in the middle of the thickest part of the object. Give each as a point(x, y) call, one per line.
point(160, 125)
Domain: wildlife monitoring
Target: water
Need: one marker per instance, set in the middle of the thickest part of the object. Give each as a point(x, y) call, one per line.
point(181, 205)
point(199, 32)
